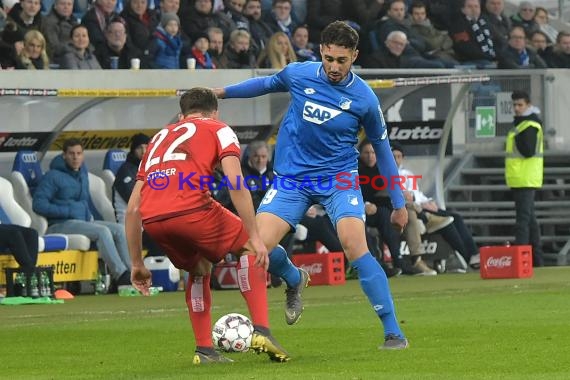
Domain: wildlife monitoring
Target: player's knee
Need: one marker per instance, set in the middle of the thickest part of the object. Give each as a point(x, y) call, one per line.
point(203, 268)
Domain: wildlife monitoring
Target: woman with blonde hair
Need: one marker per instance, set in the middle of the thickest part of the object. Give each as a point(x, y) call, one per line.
point(33, 56)
point(278, 53)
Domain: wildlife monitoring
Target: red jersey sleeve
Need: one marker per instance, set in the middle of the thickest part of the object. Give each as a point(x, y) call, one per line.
point(228, 143)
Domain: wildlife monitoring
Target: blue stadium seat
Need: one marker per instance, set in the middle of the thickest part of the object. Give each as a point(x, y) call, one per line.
point(114, 158)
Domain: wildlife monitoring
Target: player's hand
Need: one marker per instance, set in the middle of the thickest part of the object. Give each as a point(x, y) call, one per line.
point(399, 218)
point(430, 206)
point(370, 208)
point(261, 254)
point(408, 196)
point(141, 279)
point(220, 92)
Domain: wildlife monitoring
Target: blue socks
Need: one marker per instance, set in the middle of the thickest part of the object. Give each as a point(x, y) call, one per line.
point(374, 283)
point(280, 265)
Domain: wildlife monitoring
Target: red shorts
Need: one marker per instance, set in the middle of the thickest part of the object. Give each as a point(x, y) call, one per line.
point(210, 233)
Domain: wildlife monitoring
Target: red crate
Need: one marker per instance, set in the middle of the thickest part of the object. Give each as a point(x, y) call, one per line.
point(324, 269)
point(514, 261)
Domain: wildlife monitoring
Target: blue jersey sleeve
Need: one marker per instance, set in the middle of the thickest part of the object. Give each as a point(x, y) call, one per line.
point(253, 87)
point(377, 133)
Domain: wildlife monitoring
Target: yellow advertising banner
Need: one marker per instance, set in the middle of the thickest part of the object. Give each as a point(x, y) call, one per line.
point(101, 139)
point(67, 265)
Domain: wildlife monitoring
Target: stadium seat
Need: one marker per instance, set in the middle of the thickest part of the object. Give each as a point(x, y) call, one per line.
point(101, 206)
point(114, 158)
point(25, 176)
point(12, 213)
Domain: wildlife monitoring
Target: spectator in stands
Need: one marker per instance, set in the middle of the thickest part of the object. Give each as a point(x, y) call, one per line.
point(34, 55)
point(472, 39)
point(499, 23)
point(452, 229)
point(260, 31)
point(173, 6)
point(11, 45)
point(280, 18)
point(438, 42)
point(197, 17)
point(298, 11)
point(62, 197)
point(26, 15)
point(80, 54)
point(525, 17)
point(395, 21)
point(516, 55)
point(22, 243)
point(278, 53)
point(524, 170)
point(304, 50)
point(141, 22)
point(166, 46)
point(539, 42)
point(391, 55)
point(118, 45)
point(216, 46)
point(238, 54)
point(560, 57)
point(168, 6)
point(200, 52)
point(233, 10)
point(541, 18)
point(320, 13)
point(97, 19)
point(57, 27)
point(364, 12)
point(378, 208)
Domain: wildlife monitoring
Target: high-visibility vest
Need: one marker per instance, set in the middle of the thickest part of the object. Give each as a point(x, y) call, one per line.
point(523, 171)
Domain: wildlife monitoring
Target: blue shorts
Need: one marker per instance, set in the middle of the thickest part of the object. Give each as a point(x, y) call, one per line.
point(290, 199)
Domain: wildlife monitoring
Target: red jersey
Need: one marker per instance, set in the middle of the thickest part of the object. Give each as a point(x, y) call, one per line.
point(179, 163)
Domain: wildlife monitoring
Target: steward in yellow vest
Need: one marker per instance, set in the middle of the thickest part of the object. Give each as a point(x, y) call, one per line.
point(524, 153)
point(524, 171)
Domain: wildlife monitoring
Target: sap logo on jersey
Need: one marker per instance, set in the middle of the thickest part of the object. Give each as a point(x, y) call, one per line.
point(318, 114)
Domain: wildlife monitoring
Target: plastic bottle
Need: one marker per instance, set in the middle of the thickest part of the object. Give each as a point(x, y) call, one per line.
point(34, 290)
point(99, 284)
point(18, 285)
point(24, 287)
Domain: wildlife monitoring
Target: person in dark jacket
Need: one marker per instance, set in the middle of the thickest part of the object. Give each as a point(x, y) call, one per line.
point(57, 26)
point(516, 55)
point(524, 168)
point(63, 198)
point(125, 182)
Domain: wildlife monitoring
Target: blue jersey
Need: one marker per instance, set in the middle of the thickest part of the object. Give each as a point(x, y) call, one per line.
point(319, 133)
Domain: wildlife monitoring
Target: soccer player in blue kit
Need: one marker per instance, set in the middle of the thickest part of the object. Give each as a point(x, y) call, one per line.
point(315, 158)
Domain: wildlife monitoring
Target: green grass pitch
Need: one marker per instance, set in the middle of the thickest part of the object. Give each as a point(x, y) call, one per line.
point(459, 327)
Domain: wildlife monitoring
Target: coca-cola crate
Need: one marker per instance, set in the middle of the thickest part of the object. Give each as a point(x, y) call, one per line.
point(511, 261)
point(324, 269)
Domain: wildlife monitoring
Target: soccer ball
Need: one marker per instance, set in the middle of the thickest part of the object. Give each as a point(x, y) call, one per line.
point(232, 333)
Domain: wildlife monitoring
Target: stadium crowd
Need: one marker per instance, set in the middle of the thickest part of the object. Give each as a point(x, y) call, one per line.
point(226, 34)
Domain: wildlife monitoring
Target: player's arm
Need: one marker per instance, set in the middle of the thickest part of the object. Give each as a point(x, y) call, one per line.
point(241, 199)
point(377, 133)
point(253, 87)
point(140, 276)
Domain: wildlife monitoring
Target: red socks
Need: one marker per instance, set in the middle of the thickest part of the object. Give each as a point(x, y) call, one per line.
point(199, 301)
point(252, 282)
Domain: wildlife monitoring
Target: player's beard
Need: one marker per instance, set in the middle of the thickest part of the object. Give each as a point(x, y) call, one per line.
point(334, 76)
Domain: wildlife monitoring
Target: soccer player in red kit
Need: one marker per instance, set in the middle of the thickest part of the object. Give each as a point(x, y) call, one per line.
point(171, 200)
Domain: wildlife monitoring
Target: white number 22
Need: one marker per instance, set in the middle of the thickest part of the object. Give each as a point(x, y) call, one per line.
point(169, 155)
